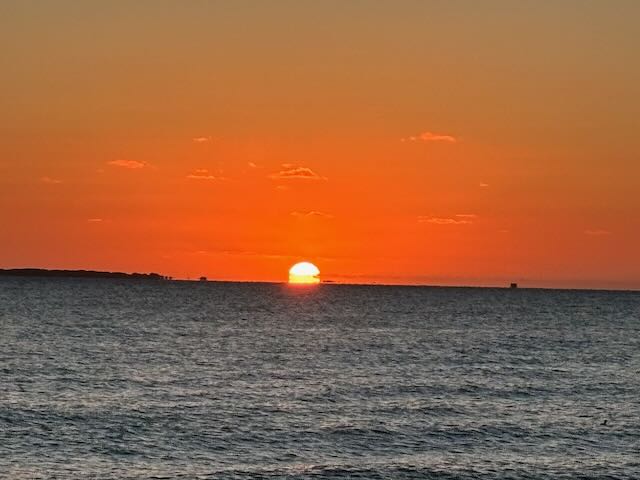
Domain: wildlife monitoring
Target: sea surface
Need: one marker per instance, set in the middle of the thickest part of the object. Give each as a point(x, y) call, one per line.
point(125, 379)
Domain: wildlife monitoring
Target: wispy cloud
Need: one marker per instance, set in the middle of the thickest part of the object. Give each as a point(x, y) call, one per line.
point(50, 181)
point(484, 185)
point(130, 164)
point(459, 219)
point(204, 174)
point(95, 220)
point(311, 214)
point(597, 232)
point(430, 137)
point(252, 165)
point(202, 139)
point(290, 171)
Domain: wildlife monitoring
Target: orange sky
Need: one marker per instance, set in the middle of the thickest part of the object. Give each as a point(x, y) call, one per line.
point(457, 143)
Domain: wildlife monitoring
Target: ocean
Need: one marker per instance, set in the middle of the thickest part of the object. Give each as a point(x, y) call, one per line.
point(125, 379)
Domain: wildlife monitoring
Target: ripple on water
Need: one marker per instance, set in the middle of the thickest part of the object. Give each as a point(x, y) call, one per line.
point(135, 380)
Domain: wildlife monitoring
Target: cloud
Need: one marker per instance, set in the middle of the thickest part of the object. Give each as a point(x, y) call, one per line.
point(443, 221)
point(94, 220)
point(430, 137)
point(436, 137)
point(130, 164)
point(597, 232)
point(50, 181)
point(310, 214)
point(291, 172)
point(459, 219)
point(484, 185)
point(204, 174)
point(202, 139)
point(252, 165)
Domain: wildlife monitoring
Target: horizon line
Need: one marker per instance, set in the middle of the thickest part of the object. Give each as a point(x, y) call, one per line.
point(204, 279)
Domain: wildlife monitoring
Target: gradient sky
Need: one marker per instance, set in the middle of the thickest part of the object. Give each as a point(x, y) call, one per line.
point(420, 142)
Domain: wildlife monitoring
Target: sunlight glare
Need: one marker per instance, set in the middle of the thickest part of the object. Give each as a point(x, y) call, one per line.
point(304, 273)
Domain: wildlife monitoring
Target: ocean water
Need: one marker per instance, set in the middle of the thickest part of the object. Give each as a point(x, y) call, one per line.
point(136, 380)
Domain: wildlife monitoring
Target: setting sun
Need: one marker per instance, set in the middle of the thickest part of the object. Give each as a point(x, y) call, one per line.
point(305, 273)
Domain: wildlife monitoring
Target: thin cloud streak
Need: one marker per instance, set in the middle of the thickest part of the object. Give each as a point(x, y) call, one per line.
point(50, 181)
point(293, 172)
point(311, 214)
point(597, 232)
point(459, 219)
point(130, 164)
point(204, 174)
point(430, 137)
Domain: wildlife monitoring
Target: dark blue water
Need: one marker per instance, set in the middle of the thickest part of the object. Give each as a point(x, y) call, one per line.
point(136, 380)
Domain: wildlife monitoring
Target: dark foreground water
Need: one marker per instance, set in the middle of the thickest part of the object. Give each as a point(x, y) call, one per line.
point(125, 379)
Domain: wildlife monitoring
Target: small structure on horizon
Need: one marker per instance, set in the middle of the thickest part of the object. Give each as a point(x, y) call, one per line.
point(513, 285)
point(203, 279)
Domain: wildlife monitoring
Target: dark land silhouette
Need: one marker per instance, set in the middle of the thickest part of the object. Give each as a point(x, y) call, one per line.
point(41, 272)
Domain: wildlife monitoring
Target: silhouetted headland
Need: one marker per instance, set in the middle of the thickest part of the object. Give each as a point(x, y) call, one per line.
point(41, 272)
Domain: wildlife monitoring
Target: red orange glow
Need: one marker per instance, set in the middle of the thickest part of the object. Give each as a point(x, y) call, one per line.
point(391, 144)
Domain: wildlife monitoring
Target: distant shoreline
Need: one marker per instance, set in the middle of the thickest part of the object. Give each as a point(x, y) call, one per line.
point(88, 274)
point(43, 272)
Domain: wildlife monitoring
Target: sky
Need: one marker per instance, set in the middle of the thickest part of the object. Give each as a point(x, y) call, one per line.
point(409, 142)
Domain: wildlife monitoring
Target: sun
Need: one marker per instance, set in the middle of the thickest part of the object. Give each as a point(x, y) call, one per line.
point(304, 273)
